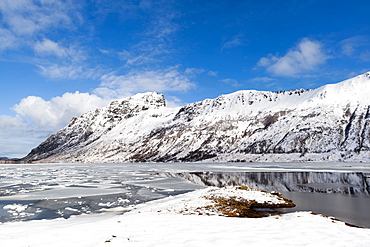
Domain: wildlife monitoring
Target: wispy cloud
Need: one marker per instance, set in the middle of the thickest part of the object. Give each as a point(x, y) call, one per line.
point(305, 57)
point(163, 24)
point(145, 53)
point(231, 82)
point(356, 47)
point(235, 41)
point(163, 80)
point(69, 71)
point(212, 73)
point(56, 61)
point(156, 42)
point(262, 79)
point(365, 56)
point(194, 71)
point(350, 45)
point(25, 18)
point(25, 26)
point(7, 39)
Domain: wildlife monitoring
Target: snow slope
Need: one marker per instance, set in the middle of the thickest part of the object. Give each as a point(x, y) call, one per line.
point(330, 123)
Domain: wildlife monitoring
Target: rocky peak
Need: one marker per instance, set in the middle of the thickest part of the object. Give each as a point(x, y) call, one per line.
point(128, 107)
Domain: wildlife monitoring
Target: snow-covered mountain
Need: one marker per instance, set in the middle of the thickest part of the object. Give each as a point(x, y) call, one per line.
point(326, 124)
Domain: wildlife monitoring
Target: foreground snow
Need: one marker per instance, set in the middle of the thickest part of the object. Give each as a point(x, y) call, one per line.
point(176, 221)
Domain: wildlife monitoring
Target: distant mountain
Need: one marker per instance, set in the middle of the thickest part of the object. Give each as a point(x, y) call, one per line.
point(330, 123)
point(6, 160)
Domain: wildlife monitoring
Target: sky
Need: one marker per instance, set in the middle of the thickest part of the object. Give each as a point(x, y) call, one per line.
point(61, 58)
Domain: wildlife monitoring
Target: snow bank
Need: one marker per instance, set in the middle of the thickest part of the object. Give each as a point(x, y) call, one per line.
point(229, 201)
point(158, 223)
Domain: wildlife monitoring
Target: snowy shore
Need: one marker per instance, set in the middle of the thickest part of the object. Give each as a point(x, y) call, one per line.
point(185, 220)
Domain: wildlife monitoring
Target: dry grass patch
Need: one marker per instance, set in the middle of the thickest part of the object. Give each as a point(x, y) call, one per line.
point(240, 207)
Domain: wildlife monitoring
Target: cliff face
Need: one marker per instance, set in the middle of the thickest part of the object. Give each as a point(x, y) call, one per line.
point(328, 123)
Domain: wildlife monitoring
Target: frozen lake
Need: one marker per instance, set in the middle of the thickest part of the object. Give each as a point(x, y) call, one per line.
point(45, 191)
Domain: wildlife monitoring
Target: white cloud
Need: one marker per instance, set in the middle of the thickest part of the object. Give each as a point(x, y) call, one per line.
point(48, 47)
point(37, 119)
point(135, 81)
point(8, 122)
point(56, 113)
point(302, 59)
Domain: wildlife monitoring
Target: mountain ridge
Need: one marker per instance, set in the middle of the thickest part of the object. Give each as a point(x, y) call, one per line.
point(330, 123)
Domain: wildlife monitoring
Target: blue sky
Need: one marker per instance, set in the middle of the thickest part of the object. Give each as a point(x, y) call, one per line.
point(60, 58)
